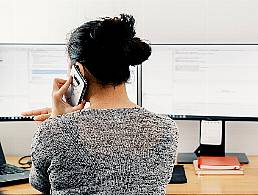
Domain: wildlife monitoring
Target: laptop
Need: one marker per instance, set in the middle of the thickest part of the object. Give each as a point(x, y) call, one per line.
point(11, 174)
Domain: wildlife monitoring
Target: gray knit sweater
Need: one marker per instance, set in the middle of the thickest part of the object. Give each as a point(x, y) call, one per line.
point(104, 151)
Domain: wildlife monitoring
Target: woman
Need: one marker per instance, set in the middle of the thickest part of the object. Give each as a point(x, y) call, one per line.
point(114, 146)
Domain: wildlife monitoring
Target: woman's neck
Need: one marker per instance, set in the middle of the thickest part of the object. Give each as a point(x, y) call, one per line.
point(109, 97)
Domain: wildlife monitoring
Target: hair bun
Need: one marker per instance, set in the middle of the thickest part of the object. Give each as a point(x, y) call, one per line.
point(114, 30)
point(137, 51)
point(116, 38)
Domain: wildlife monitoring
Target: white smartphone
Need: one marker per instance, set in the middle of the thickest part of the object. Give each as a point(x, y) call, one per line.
point(77, 89)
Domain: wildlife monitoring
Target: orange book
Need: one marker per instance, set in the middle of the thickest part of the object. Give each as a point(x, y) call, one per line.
point(220, 162)
point(199, 171)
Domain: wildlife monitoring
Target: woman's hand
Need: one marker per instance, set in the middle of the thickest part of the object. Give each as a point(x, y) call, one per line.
point(39, 114)
point(60, 86)
point(59, 106)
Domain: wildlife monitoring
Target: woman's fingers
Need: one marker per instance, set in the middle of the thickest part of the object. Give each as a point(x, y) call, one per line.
point(60, 86)
point(36, 112)
point(79, 107)
point(42, 117)
point(65, 86)
point(39, 114)
point(27, 113)
point(57, 83)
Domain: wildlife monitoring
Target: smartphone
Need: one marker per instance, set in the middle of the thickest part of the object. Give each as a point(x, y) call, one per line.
point(77, 89)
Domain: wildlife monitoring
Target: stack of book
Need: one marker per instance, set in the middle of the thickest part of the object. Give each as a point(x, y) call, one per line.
point(210, 165)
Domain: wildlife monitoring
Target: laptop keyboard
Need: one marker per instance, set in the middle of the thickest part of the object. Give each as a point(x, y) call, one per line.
point(10, 169)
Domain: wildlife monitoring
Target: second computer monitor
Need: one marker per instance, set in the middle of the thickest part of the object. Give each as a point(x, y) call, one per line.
point(202, 79)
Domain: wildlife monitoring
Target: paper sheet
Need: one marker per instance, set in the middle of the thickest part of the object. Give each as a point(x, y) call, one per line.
point(211, 132)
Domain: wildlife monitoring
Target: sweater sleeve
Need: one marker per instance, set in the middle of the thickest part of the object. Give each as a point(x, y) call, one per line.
point(41, 155)
point(167, 151)
point(172, 148)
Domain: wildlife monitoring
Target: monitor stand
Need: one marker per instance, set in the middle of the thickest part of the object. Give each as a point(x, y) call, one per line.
point(187, 158)
point(210, 150)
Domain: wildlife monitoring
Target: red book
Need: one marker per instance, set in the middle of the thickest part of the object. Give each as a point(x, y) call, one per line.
point(220, 162)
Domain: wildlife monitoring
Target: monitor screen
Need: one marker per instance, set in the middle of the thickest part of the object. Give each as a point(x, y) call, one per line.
point(203, 80)
point(27, 72)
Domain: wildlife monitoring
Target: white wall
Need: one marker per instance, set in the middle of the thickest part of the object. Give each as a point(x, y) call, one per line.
point(163, 21)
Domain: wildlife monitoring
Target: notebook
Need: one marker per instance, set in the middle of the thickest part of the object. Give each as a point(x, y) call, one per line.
point(10, 174)
point(220, 162)
point(199, 171)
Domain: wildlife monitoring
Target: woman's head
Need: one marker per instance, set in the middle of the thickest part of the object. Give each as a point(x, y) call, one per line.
point(107, 47)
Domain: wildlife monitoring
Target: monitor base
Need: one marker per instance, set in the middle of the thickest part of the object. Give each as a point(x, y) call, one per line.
point(187, 158)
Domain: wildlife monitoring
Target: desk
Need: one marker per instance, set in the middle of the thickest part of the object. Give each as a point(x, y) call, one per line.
point(222, 184)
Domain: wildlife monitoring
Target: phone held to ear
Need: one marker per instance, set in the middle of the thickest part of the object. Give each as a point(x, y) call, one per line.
point(77, 89)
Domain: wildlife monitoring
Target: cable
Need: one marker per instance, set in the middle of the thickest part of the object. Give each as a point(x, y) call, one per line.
point(28, 162)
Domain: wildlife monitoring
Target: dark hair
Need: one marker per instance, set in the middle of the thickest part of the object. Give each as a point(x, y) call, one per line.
point(107, 48)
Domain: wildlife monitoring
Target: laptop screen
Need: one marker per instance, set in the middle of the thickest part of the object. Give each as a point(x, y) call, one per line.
point(2, 158)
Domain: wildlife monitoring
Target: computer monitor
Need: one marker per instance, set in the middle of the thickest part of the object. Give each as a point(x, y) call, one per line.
point(202, 80)
point(27, 72)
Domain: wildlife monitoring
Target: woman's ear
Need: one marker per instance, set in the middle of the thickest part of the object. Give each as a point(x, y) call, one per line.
point(85, 73)
point(81, 68)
